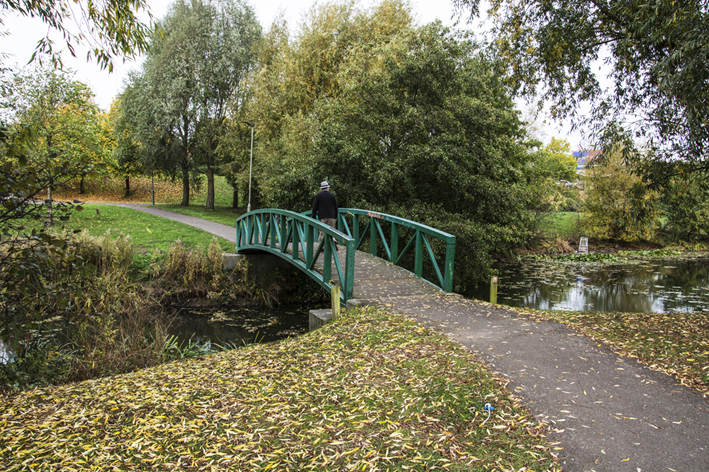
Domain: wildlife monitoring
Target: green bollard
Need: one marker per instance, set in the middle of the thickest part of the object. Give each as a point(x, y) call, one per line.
point(335, 299)
point(493, 289)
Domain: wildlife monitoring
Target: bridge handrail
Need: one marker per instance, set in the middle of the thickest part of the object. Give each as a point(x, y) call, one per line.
point(274, 230)
point(422, 246)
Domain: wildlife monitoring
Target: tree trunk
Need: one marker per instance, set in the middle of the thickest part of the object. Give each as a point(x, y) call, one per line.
point(50, 219)
point(185, 187)
point(235, 200)
point(82, 188)
point(127, 194)
point(210, 189)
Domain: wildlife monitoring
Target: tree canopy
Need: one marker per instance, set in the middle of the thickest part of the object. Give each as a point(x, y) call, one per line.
point(190, 85)
point(643, 65)
point(413, 122)
point(45, 144)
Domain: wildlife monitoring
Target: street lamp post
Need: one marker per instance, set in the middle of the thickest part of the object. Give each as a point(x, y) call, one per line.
point(251, 162)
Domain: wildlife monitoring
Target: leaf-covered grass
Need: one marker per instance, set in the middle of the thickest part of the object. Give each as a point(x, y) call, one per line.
point(369, 391)
point(674, 343)
point(146, 231)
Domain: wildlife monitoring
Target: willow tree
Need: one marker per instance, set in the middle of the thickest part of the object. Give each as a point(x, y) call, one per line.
point(194, 69)
point(643, 66)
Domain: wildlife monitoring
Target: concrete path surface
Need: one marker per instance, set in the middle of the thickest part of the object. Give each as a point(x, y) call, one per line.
point(606, 412)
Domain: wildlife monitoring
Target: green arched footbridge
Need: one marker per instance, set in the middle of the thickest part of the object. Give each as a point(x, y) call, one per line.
point(368, 252)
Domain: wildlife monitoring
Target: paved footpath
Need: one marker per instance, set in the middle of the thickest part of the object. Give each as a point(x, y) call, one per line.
point(606, 412)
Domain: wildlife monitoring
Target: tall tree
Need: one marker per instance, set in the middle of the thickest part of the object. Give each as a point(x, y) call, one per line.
point(655, 54)
point(125, 150)
point(406, 120)
point(39, 279)
point(615, 207)
point(294, 74)
point(195, 68)
point(423, 129)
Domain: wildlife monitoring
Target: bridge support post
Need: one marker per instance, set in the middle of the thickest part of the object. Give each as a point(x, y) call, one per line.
point(418, 262)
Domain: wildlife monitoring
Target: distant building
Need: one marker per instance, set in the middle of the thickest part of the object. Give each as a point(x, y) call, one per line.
point(583, 158)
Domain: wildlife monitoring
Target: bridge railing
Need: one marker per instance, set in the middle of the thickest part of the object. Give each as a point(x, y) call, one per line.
point(294, 236)
point(362, 225)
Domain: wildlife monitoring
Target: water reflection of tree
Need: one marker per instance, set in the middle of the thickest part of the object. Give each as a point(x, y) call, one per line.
point(646, 286)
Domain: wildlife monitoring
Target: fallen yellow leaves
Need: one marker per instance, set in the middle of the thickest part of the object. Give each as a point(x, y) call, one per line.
point(369, 391)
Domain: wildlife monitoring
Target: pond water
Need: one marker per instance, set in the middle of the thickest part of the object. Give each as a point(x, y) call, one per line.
point(643, 286)
point(224, 326)
point(239, 326)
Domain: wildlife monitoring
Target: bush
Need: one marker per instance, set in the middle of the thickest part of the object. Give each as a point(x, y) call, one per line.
point(618, 205)
point(112, 324)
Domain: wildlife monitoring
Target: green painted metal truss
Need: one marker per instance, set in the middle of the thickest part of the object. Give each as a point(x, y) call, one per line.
point(294, 237)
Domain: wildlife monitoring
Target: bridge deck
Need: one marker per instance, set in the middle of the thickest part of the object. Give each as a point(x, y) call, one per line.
point(376, 278)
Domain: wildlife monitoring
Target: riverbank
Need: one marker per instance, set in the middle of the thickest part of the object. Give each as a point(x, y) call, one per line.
point(369, 391)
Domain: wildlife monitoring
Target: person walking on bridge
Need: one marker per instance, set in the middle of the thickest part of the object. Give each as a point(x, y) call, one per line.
point(325, 207)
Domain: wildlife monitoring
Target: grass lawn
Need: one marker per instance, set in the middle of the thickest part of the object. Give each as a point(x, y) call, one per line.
point(147, 231)
point(369, 391)
point(563, 225)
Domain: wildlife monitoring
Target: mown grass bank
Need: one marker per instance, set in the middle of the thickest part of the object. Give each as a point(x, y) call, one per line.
point(168, 196)
point(146, 231)
point(369, 391)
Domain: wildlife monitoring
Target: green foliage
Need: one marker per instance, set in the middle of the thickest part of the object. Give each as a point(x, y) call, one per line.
point(55, 125)
point(191, 83)
point(174, 349)
point(656, 57)
point(551, 177)
point(686, 205)
point(618, 206)
point(111, 324)
point(563, 225)
point(295, 75)
point(418, 126)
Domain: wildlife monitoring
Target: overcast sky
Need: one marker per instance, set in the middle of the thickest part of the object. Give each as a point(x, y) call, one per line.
point(25, 32)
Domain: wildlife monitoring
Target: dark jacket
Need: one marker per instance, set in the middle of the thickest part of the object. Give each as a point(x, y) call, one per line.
point(324, 205)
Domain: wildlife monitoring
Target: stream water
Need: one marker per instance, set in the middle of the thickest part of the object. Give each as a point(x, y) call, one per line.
point(239, 326)
point(224, 326)
point(645, 286)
